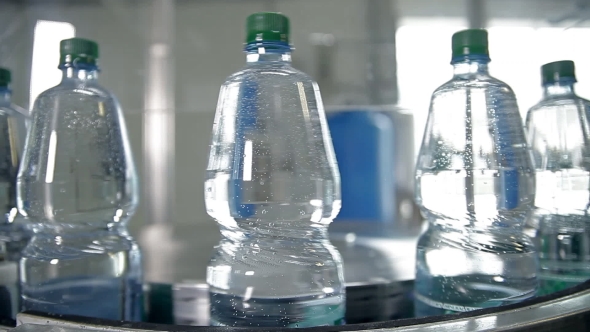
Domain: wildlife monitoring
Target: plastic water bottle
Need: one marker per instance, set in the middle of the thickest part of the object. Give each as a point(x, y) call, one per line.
point(475, 185)
point(13, 237)
point(559, 135)
point(78, 186)
point(273, 186)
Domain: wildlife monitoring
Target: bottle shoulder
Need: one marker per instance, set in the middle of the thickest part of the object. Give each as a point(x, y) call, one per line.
point(87, 90)
point(268, 72)
point(566, 101)
point(475, 81)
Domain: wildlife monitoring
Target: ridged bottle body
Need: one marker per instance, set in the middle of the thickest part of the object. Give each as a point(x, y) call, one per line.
point(559, 135)
point(273, 186)
point(475, 185)
point(78, 186)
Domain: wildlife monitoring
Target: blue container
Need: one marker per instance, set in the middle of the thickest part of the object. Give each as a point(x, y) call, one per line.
point(364, 146)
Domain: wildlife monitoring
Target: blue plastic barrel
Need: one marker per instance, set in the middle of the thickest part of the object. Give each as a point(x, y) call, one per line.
point(364, 146)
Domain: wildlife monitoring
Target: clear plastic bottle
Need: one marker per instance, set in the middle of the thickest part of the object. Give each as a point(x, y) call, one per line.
point(559, 136)
point(475, 185)
point(78, 186)
point(273, 186)
point(13, 236)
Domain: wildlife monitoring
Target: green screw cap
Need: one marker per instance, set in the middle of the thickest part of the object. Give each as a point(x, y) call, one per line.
point(554, 71)
point(470, 42)
point(267, 27)
point(78, 50)
point(5, 77)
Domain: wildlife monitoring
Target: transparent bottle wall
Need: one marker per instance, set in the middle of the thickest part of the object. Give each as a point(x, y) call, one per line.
point(166, 59)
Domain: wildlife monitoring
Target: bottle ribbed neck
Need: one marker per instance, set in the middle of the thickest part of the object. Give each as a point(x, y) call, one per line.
point(557, 89)
point(83, 74)
point(268, 52)
point(469, 67)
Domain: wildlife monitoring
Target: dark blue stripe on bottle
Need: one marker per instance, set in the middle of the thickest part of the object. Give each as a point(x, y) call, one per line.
point(509, 177)
point(245, 123)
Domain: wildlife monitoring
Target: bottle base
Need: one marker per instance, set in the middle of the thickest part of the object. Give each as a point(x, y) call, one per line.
point(309, 311)
point(114, 298)
point(557, 276)
point(9, 290)
point(448, 295)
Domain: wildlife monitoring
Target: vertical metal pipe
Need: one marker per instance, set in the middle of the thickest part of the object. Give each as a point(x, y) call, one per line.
point(382, 65)
point(159, 114)
point(270, 5)
point(476, 14)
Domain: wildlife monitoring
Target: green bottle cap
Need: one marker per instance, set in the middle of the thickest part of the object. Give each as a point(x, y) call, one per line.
point(470, 42)
point(78, 50)
point(5, 77)
point(554, 71)
point(267, 27)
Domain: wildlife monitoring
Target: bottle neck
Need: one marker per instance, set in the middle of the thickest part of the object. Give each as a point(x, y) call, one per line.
point(268, 52)
point(470, 65)
point(559, 88)
point(5, 95)
point(79, 73)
